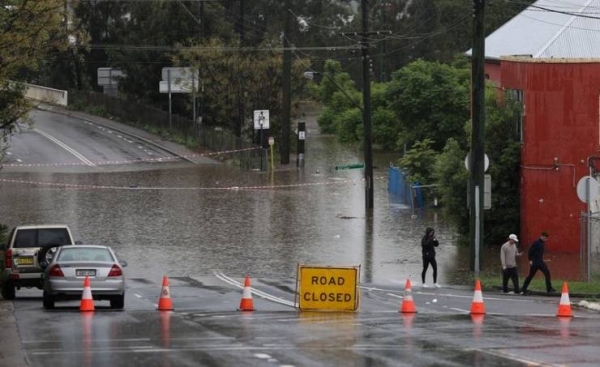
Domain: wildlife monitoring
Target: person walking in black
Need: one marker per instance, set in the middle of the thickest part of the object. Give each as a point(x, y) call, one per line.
point(536, 262)
point(428, 245)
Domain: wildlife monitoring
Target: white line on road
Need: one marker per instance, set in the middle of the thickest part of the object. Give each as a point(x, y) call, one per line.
point(512, 357)
point(259, 293)
point(65, 147)
point(394, 295)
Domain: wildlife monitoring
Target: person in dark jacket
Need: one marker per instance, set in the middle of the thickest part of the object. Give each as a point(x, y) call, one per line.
point(536, 262)
point(428, 245)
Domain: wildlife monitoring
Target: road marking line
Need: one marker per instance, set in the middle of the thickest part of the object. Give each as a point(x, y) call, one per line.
point(513, 357)
point(262, 355)
point(137, 295)
point(259, 293)
point(65, 147)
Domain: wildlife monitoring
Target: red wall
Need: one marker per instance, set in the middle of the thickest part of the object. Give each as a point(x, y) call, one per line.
point(560, 131)
point(492, 72)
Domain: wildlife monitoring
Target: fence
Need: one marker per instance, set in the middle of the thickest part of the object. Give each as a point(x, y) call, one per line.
point(404, 191)
point(155, 120)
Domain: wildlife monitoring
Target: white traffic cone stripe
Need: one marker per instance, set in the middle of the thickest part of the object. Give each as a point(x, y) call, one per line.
point(478, 297)
point(564, 299)
point(247, 293)
point(165, 292)
point(87, 293)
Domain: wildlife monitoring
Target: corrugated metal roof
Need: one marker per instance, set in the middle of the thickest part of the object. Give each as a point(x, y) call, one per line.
point(543, 30)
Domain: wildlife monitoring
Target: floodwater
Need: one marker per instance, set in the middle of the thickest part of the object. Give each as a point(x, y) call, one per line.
point(180, 219)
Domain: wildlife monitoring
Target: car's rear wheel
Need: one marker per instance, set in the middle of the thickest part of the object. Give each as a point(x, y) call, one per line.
point(117, 302)
point(8, 290)
point(48, 301)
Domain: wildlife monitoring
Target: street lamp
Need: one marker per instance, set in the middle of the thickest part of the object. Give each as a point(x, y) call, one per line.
point(368, 149)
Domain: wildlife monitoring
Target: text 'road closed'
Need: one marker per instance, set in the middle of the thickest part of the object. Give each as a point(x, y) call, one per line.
point(324, 288)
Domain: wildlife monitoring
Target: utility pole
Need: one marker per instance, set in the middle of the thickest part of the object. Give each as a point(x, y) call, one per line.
point(366, 109)
point(287, 88)
point(368, 136)
point(477, 154)
point(241, 106)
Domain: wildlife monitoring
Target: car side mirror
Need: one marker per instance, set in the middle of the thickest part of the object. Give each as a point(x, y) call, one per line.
point(123, 263)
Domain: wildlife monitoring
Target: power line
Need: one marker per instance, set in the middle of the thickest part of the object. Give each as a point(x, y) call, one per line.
point(125, 47)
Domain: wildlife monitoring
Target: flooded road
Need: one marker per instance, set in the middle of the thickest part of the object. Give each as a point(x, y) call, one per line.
point(182, 219)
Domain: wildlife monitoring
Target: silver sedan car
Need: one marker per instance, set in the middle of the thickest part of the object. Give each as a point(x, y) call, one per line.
point(65, 275)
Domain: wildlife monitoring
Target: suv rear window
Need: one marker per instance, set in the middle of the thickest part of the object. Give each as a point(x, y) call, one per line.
point(42, 237)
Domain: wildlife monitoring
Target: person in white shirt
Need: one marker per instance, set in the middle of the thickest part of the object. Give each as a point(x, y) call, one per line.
point(508, 258)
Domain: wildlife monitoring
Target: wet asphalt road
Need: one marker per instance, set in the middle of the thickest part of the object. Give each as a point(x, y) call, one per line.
point(207, 330)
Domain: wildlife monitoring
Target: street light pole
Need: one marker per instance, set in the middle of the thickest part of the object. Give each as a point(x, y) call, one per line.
point(368, 138)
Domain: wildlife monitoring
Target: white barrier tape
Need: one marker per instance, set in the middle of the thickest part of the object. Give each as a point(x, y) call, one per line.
point(131, 161)
point(232, 188)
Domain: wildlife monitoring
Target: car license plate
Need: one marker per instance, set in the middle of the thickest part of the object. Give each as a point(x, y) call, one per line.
point(84, 272)
point(24, 260)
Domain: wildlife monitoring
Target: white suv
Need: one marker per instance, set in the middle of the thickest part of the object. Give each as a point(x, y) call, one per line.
point(23, 258)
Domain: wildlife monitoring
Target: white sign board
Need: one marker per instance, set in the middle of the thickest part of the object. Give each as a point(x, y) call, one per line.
point(109, 76)
point(582, 188)
point(261, 119)
point(179, 86)
point(301, 135)
point(178, 73)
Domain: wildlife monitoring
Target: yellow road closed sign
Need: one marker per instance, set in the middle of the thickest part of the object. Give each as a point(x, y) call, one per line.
point(327, 288)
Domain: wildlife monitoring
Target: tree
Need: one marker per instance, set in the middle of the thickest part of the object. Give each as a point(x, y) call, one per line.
point(231, 79)
point(503, 149)
point(29, 30)
point(431, 100)
point(419, 162)
point(337, 92)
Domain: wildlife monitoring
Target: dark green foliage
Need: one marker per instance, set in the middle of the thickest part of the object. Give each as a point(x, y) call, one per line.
point(451, 177)
point(503, 149)
point(419, 162)
point(431, 100)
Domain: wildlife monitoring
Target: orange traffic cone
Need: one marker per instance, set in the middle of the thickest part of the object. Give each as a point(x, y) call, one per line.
point(564, 307)
point(164, 302)
point(408, 305)
point(87, 302)
point(477, 306)
point(246, 304)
